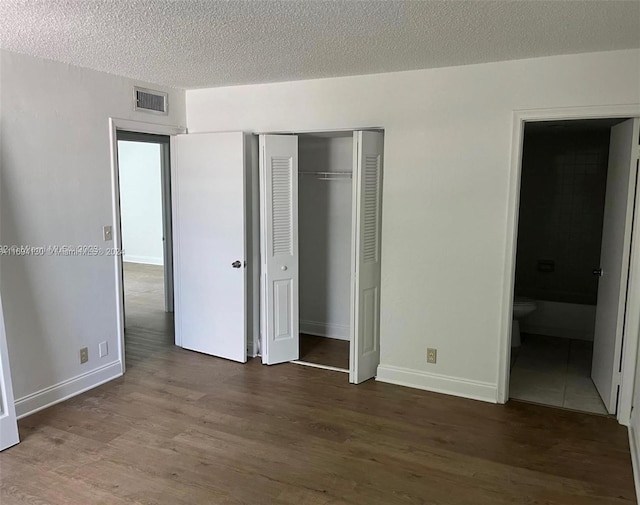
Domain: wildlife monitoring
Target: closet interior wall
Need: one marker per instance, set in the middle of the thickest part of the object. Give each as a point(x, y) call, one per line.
point(325, 222)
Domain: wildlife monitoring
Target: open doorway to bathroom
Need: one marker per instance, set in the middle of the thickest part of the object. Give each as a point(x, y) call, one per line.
point(576, 204)
point(145, 228)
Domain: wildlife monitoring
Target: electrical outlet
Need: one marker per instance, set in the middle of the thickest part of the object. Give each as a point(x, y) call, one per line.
point(103, 350)
point(432, 355)
point(84, 355)
point(107, 233)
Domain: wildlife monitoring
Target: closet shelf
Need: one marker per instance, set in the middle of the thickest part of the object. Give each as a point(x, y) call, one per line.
point(328, 176)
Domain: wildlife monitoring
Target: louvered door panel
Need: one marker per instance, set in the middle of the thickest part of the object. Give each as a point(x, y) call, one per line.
point(279, 239)
point(281, 202)
point(371, 209)
point(367, 202)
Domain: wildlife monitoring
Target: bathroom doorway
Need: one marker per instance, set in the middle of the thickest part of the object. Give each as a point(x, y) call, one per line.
point(574, 225)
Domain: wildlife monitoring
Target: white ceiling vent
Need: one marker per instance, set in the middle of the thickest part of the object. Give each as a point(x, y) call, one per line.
point(148, 100)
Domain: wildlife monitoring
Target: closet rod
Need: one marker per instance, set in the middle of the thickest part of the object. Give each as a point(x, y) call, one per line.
point(329, 176)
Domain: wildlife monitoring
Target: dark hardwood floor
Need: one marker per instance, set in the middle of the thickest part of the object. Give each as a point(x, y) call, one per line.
point(324, 351)
point(183, 428)
point(148, 328)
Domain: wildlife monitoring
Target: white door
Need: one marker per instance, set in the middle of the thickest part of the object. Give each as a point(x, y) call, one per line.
point(367, 216)
point(614, 262)
point(8, 423)
point(279, 248)
point(209, 243)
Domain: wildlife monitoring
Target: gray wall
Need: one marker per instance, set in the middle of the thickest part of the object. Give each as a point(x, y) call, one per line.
point(56, 190)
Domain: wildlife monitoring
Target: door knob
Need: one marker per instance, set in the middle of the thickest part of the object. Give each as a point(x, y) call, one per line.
point(236, 264)
point(597, 271)
point(283, 268)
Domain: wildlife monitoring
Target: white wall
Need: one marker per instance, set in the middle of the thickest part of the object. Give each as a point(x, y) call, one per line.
point(325, 237)
point(447, 159)
point(56, 190)
point(141, 201)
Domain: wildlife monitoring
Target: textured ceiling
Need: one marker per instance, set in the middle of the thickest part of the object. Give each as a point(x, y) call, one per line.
point(213, 43)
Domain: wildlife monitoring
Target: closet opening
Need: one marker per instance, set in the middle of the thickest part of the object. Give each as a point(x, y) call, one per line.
point(325, 193)
point(320, 235)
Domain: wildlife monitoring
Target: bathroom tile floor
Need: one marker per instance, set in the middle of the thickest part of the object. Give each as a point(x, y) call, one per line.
point(554, 371)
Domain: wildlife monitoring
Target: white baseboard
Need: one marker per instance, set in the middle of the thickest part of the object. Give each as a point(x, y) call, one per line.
point(437, 383)
point(634, 445)
point(64, 390)
point(145, 260)
point(338, 331)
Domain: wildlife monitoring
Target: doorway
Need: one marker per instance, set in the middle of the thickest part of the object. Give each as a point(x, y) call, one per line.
point(577, 192)
point(145, 231)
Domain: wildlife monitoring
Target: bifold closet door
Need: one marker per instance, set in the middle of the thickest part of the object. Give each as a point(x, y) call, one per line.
point(367, 216)
point(279, 248)
point(210, 244)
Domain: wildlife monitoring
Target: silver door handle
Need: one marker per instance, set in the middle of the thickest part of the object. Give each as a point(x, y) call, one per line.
point(283, 268)
point(597, 271)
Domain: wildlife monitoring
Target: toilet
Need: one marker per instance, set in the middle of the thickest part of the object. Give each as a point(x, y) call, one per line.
point(521, 307)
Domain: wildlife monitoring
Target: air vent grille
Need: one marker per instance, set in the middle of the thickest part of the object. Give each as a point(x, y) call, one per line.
point(150, 101)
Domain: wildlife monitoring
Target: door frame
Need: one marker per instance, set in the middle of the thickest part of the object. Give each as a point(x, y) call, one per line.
point(519, 119)
point(116, 124)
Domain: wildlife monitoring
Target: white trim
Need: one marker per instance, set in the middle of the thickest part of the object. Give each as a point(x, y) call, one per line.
point(329, 330)
point(330, 130)
point(437, 383)
point(318, 365)
point(143, 260)
point(519, 118)
point(138, 127)
point(634, 446)
point(144, 127)
point(64, 390)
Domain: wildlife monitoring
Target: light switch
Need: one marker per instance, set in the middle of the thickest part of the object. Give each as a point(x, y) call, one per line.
point(107, 233)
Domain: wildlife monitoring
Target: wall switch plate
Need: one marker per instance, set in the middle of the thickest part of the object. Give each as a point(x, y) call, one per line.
point(432, 355)
point(107, 233)
point(103, 350)
point(84, 355)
